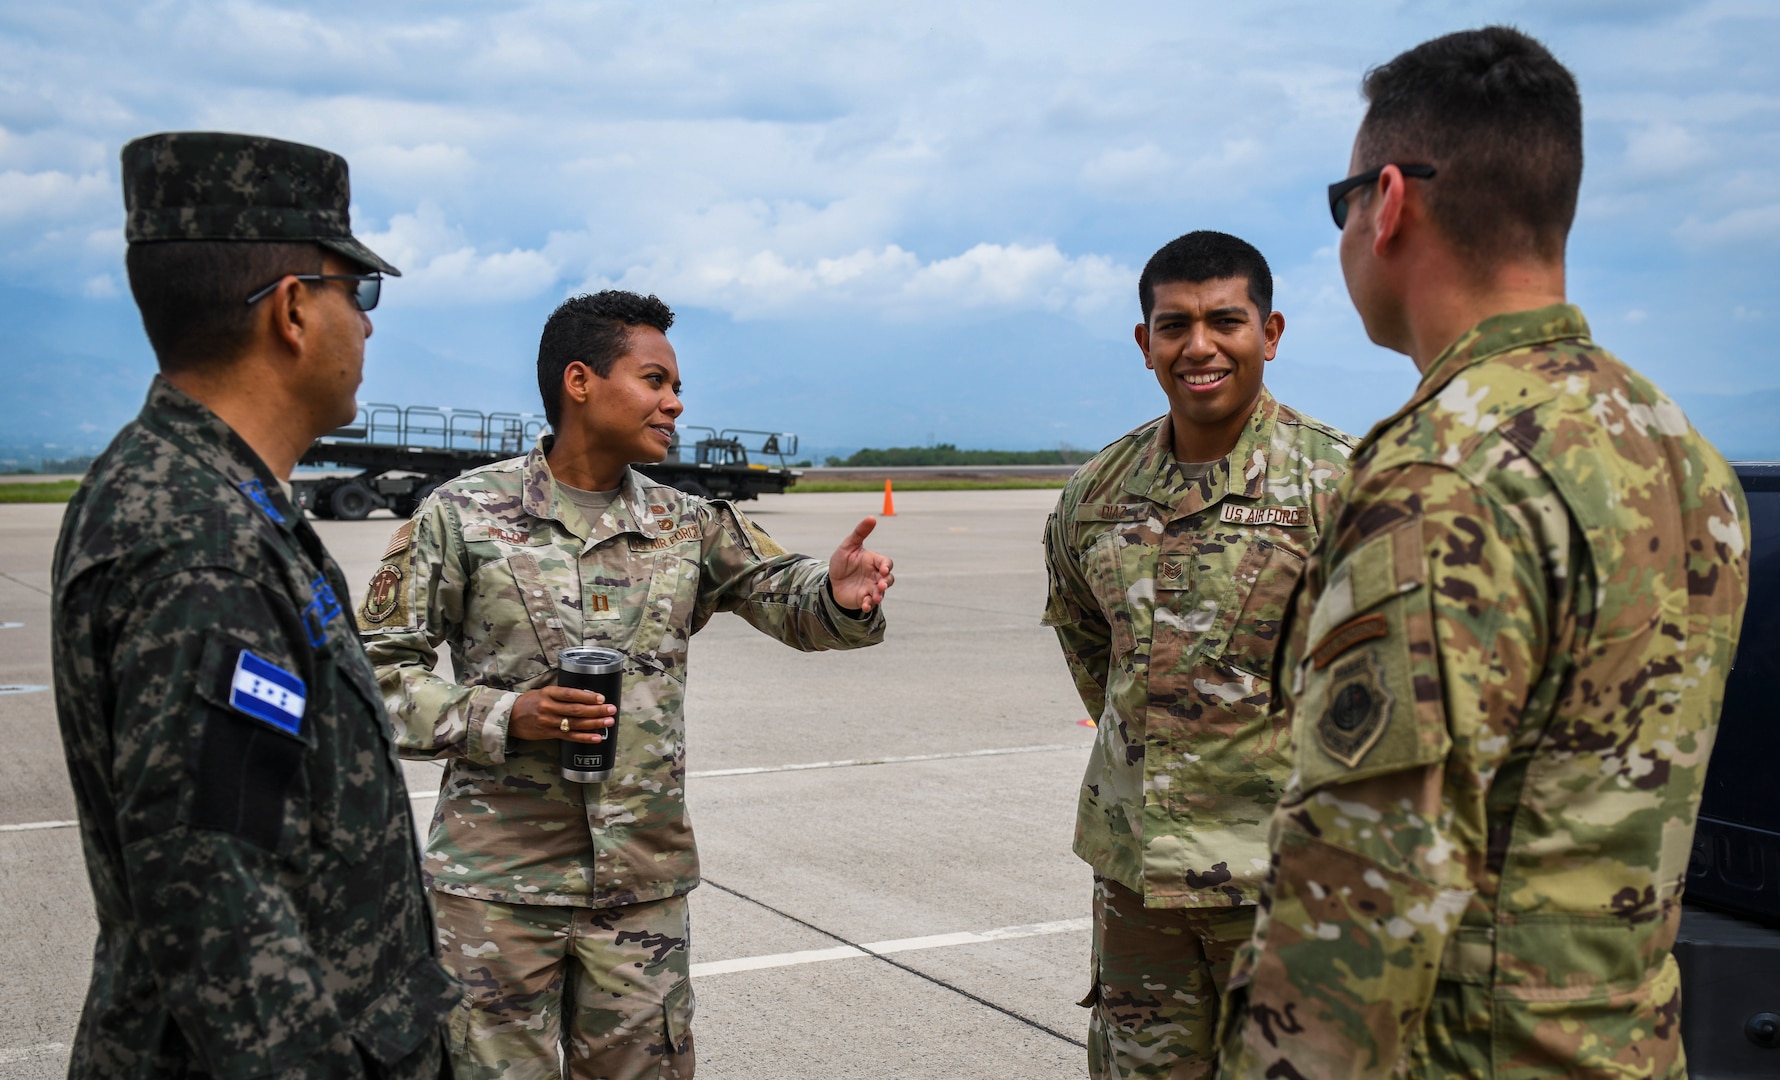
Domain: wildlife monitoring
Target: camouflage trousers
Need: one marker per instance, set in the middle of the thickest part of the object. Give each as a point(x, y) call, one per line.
point(1159, 981)
point(585, 993)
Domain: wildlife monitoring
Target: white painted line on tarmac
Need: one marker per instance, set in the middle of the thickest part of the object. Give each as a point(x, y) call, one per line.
point(433, 793)
point(758, 769)
point(30, 825)
point(12, 626)
point(11, 1054)
point(21, 688)
point(884, 948)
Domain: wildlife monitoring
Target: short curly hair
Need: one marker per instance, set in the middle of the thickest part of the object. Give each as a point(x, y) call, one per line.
point(1206, 255)
point(593, 329)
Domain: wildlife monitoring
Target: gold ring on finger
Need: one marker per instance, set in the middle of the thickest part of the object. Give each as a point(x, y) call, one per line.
point(565, 723)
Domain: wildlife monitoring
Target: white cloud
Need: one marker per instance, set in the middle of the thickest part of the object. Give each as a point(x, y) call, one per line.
point(1749, 225)
point(100, 287)
point(1138, 166)
point(439, 267)
point(51, 196)
point(889, 281)
point(1662, 149)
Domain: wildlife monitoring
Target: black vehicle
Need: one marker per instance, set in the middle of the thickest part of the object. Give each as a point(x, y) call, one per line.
point(1729, 944)
point(401, 453)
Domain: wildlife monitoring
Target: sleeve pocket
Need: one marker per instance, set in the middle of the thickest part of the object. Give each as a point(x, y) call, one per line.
point(1370, 699)
point(245, 766)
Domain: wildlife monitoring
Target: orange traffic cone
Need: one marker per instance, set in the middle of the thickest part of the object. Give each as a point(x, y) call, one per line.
point(889, 503)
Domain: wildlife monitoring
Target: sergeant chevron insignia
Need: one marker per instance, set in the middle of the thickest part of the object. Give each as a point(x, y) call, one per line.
point(1358, 706)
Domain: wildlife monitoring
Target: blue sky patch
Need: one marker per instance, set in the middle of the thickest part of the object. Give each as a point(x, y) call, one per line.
point(925, 225)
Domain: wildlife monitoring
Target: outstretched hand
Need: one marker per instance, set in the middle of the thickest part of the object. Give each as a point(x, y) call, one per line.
point(857, 577)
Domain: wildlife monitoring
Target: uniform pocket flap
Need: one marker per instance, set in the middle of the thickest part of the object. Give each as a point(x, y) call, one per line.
point(678, 1007)
point(1390, 564)
point(392, 1026)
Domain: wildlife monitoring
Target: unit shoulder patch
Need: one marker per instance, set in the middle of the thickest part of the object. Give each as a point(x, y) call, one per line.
point(384, 594)
point(1358, 707)
point(1291, 517)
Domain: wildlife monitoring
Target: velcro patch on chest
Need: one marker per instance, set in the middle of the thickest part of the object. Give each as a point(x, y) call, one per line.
point(668, 540)
point(476, 533)
point(1290, 517)
point(603, 604)
point(323, 607)
point(267, 692)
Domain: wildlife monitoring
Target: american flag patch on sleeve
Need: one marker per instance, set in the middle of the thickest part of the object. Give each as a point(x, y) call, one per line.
point(265, 691)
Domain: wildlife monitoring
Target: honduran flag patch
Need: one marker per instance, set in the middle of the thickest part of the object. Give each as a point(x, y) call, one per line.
point(265, 691)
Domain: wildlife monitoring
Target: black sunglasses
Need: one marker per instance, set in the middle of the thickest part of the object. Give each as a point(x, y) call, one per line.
point(365, 294)
point(1339, 190)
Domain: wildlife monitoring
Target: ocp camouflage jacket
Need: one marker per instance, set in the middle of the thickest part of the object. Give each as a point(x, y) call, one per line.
point(1166, 595)
point(503, 569)
point(1505, 670)
point(246, 828)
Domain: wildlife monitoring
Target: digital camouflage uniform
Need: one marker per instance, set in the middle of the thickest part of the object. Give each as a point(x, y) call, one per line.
point(1167, 594)
point(1505, 672)
point(245, 824)
point(500, 565)
point(252, 856)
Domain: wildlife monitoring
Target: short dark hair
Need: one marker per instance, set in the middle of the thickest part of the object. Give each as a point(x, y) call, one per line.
point(594, 329)
point(193, 294)
point(1501, 119)
point(1206, 256)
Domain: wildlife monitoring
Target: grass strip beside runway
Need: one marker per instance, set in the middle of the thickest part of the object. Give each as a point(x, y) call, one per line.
point(55, 491)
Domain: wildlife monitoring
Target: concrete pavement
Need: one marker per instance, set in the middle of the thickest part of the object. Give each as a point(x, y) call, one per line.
point(934, 829)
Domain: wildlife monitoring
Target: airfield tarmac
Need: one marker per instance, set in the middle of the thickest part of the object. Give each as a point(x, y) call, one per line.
point(888, 886)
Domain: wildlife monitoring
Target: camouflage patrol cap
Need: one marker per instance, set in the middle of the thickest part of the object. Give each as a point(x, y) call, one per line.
point(205, 185)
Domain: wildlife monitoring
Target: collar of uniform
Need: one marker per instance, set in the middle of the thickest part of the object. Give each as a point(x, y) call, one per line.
point(172, 412)
point(1159, 479)
point(542, 497)
point(1493, 336)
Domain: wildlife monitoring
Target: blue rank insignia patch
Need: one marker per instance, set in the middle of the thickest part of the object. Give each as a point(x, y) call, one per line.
point(256, 492)
point(265, 691)
point(323, 606)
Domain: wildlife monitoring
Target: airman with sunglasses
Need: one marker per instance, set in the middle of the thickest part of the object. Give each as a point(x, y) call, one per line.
point(245, 823)
point(1503, 671)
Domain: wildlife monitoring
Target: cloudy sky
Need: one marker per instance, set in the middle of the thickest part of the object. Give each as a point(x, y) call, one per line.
point(880, 224)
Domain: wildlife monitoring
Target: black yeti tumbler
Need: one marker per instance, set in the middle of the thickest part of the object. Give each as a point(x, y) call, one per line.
point(589, 667)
